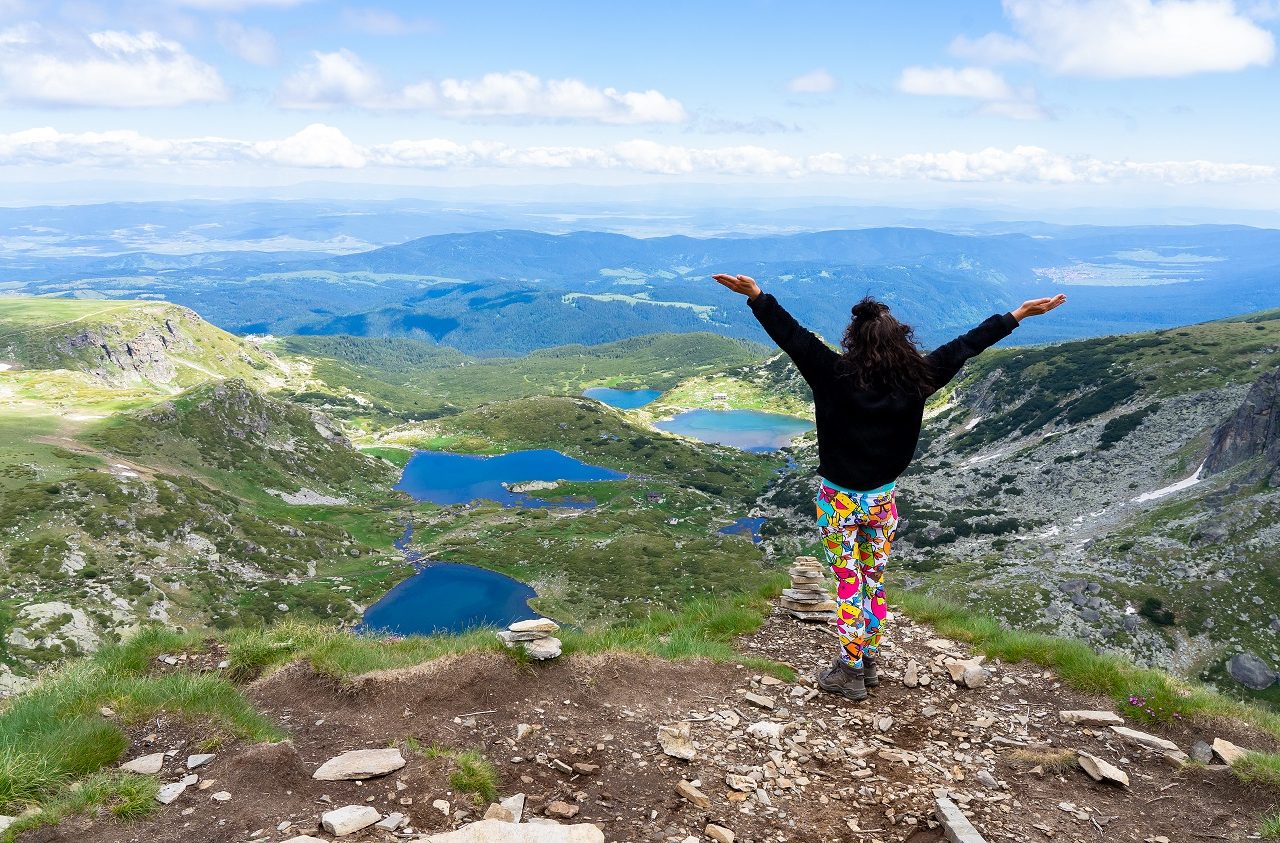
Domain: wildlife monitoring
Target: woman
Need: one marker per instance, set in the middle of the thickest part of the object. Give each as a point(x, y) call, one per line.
point(869, 401)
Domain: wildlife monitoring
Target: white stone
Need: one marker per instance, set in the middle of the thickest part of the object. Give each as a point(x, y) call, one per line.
point(360, 764)
point(676, 742)
point(514, 804)
point(1101, 770)
point(391, 821)
point(349, 819)
point(1090, 718)
point(221, 796)
point(147, 765)
point(168, 793)
point(5, 822)
point(955, 824)
point(496, 831)
point(543, 648)
point(304, 838)
point(194, 761)
point(535, 625)
point(1143, 738)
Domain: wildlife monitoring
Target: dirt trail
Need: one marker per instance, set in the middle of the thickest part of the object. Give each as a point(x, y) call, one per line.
point(838, 772)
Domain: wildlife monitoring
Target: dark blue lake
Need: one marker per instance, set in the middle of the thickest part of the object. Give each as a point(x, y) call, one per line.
point(744, 527)
point(444, 478)
point(623, 399)
point(444, 597)
point(749, 430)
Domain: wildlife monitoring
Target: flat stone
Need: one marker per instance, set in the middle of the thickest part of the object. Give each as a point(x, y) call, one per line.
point(514, 804)
point(1101, 770)
point(146, 765)
point(676, 741)
point(543, 649)
point(719, 833)
point(360, 764)
point(496, 831)
point(221, 796)
point(349, 819)
point(1251, 671)
point(497, 812)
point(1227, 751)
point(1176, 758)
point(745, 784)
point(955, 825)
point(760, 700)
point(194, 761)
point(535, 625)
point(170, 792)
point(1147, 740)
point(511, 639)
point(391, 822)
point(562, 810)
point(1090, 718)
point(691, 793)
point(304, 838)
point(826, 605)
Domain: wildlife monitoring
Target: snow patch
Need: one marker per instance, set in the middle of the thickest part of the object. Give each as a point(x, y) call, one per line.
point(1170, 489)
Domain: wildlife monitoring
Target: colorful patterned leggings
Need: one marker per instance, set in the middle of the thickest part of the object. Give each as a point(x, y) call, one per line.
point(857, 532)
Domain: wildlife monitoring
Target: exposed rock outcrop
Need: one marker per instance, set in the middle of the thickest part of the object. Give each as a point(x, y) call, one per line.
point(1252, 431)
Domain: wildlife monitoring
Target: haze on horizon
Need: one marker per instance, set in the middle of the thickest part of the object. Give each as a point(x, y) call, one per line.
point(1025, 104)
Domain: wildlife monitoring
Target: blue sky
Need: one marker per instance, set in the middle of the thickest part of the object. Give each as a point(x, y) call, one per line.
point(1023, 102)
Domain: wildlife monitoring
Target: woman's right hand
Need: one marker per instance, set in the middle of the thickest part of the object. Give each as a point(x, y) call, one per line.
point(743, 284)
point(1037, 307)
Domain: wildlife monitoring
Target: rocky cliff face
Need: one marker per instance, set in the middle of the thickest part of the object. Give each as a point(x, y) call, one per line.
point(1252, 431)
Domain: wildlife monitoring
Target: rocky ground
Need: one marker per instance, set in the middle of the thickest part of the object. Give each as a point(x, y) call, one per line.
point(649, 750)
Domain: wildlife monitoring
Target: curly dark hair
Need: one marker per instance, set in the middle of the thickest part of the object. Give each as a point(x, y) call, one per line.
point(880, 353)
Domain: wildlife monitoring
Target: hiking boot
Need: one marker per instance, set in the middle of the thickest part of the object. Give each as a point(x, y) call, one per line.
point(870, 671)
point(848, 682)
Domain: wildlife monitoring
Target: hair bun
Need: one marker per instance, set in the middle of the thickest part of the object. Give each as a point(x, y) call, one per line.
point(869, 308)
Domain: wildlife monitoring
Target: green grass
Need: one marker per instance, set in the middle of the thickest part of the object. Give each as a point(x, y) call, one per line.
point(126, 796)
point(1269, 827)
point(1260, 767)
point(1161, 695)
point(472, 773)
point(54, 734)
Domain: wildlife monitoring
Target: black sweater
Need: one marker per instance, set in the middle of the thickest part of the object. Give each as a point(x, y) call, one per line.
point(866, 438)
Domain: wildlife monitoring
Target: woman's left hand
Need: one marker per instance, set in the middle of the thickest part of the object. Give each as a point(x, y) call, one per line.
point(743, 284)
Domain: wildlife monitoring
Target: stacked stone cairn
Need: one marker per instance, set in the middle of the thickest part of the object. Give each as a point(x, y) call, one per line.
point(807, 599)
point(534, 636)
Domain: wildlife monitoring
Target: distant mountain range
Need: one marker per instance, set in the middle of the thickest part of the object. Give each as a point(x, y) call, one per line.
point(512, 291)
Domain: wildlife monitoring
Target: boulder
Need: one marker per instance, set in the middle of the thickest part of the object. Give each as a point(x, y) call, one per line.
point(349, 819)
point(1102, 771)
point(147, 765)
point(360, 764)
point(496, 831)
point(1251, 671)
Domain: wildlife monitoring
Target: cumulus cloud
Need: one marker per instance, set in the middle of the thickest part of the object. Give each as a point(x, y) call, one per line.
point(323, 146)
point(256, 46)
point(341, 79)
point(817, 81)
point(995, 96)
point(108, 69)
point(1129, 38)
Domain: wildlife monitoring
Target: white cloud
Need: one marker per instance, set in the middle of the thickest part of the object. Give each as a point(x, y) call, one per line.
point(323, 146)
point(972, 82)
point(1129, 38)
point(331, 80)
point(341, 79)
point(997, 97)
point(382, 22)
point(817, 81)
point(256, 46)
point(108, 69)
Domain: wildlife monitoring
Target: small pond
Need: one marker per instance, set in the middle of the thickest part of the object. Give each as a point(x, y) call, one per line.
point(444, 478)
point(744, 527)
point(623, 399)
point(749, 430)
point(446, 597)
